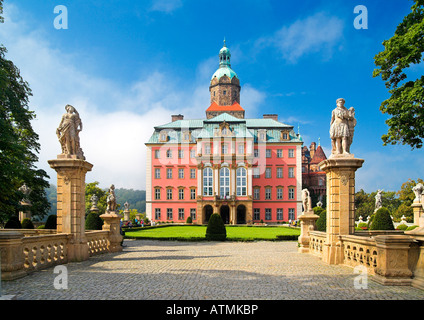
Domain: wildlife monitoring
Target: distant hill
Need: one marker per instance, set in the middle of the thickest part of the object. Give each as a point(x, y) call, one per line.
point(135, 198)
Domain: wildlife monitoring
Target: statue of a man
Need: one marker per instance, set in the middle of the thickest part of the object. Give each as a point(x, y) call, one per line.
point(342, 128)
point(111, 199)
point(26, 191)
point(68, 132)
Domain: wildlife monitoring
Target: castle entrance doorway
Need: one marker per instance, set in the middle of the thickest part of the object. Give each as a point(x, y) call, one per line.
point(207, 212)
point(225, 214)
point(241, 214)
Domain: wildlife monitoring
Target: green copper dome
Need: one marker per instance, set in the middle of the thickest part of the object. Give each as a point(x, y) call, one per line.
point(224, 64)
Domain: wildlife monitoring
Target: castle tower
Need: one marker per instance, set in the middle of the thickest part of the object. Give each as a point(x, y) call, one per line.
point(225, 88)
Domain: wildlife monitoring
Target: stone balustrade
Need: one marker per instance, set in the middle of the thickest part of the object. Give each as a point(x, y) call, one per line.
point(317, 241)
point(360, 251)
point(24, 251)
point(40, 252)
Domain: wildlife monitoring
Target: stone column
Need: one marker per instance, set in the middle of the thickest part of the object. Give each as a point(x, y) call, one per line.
point(112, 223)
point(26, 212)
point(71, 203)
point(340, 170)
point(307, 224)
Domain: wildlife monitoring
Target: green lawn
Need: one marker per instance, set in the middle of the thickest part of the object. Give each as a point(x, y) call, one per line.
point(197, 233)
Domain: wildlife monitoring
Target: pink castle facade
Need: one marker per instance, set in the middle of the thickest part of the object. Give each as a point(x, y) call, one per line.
point(247, 170)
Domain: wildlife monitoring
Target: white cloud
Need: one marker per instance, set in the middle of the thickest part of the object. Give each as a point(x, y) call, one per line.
point(117, 120)
point(166, 6)
point(317, 33)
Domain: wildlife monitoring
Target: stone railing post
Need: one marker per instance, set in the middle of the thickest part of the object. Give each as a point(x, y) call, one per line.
point(418, 213)
point(11, 255)
point(340, 170)
point(393, 257)
point(112, 222)
point(71, 203)
point(307, 224)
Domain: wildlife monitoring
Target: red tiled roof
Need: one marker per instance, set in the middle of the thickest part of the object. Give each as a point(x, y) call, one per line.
point(318, 156)
point(215, 107)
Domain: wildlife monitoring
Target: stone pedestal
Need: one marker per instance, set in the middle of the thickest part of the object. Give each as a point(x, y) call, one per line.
point(126, 215)
point(26, 212)
point(307, 224)
point(393, 258)
point(112, 223)
point(11, 255)
point(418, 213)
point(71, 203)
point(340, 172)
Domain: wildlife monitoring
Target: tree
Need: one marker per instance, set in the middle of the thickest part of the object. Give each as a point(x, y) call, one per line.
point(18, 143)
point(216, 231)
point(406, 103)
point(93, 189)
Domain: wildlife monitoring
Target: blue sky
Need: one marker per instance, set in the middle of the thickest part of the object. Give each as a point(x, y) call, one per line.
point(128, 65)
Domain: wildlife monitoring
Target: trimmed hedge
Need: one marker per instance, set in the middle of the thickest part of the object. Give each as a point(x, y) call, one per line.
point(215, 230)
point(321, 222)
point(27, 224)
point(382, 220)
point(51, 222)
point(402, 226)
point(93, 222)
point(13, 223)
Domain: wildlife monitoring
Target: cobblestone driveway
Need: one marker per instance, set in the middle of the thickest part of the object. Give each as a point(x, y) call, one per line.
point(161, 270)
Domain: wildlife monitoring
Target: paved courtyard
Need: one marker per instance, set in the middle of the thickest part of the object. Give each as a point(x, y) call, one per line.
point(159, 270)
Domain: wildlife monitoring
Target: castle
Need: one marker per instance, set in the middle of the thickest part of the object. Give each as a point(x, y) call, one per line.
point(247, 170)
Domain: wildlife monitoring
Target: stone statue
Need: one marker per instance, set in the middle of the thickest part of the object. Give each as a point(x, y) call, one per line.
point(94, 199)
point(111, 199)
point(306, 201)
point(319, 203)
point(68, 133)
point(418, 191)
point(342, 127)
point(26, 191)
point(127, 206)
point(378, 200)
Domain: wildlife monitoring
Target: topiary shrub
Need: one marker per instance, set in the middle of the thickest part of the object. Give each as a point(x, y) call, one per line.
point(51, 222)
point(93, 221)
point(189, 220)
point(321, 222)
point(363, 226)
point(27, 224)
point(382, 220)
point(215, 230)
point(13, 223)
point(402, 226)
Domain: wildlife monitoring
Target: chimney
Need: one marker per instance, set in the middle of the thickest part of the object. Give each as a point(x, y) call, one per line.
point(312, 149)
point(176, 117)
point(271, 116)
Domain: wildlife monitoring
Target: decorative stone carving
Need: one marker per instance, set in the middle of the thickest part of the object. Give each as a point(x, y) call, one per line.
point(94, 200)
point(26, 191)
point(68, 133)
point(418, 191)
point(111, 199)
point(306, 200)
point(342, 128)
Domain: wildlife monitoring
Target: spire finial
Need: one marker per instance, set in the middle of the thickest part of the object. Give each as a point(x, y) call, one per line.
point(224, 43)
point(319, 142)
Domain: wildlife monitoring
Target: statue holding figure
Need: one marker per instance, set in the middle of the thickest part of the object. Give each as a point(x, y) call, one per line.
point(306, 200)
point(111, 199)
point(342, 128)
point(68, 132)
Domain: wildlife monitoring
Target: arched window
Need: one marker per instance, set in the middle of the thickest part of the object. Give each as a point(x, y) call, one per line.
point(224, 182)
point(241, 182)
point(207, 182)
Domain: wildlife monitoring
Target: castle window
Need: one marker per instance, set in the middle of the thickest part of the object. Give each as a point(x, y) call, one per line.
point(241, 182)
point(169, 213)
point(169, 194)
point(224, 182)
point(256, 214)
point(225, 92)
point(157, 213)
point(157, 193)
point(207, 182)
point(279, 214)
point(291, 193)
point(268, 193)
point(267, 214)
